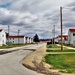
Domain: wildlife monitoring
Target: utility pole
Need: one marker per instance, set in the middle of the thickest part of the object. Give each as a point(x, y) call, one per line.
point(54, 34)
point(52, 37)
point(18, 35)
point(61, 27)
point(8, 32)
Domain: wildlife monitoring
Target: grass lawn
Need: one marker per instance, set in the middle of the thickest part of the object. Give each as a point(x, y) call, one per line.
point(56, 48)
point(64, 62)
point(11, 46)
point(53, 46)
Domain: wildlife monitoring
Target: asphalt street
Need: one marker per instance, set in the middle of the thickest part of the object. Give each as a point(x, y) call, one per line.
point(11, 62)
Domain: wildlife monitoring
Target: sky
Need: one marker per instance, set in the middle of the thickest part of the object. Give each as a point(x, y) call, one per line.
point(37, 17)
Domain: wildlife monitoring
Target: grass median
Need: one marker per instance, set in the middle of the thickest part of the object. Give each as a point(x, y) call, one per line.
point(11, 46)
point(63, 62)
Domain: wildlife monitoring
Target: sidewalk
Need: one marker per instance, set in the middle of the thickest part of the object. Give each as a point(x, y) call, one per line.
point(9, 50)
point(66, 47)
point(35, 56)
point(14, 48)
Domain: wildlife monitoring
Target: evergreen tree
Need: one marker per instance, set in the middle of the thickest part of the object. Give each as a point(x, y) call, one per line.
point(36, 38)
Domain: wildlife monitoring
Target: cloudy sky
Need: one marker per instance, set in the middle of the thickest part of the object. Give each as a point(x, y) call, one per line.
point(36, 16)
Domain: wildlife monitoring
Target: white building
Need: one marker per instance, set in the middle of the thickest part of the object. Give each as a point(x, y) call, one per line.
point(29, 40)
point(64, 38)
point(18, 39)
point(2, 37)
point(71, 36)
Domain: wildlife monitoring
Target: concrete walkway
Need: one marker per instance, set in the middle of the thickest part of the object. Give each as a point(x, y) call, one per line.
point(11, 63)
point(61, 52)
point(66, 47)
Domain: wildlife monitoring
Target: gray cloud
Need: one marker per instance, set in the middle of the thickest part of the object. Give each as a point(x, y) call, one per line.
point(2, 2)
point(35, 16)
point(69, 24)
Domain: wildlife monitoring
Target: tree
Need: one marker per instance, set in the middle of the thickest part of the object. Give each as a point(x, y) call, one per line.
point(36, 38)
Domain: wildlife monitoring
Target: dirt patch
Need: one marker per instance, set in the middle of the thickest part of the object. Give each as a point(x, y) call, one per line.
point(35, 61)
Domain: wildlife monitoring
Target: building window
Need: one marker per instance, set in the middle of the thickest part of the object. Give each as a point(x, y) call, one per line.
point(73, 34)
point(13, 38)
point(13, 41)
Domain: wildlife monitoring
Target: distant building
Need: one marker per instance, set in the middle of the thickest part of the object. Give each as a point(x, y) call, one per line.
point(45, 40)
point(18, 39)
point(64, 38)
point(30, 40)
point(2, 37)
point(71, 36)
point(27, 39)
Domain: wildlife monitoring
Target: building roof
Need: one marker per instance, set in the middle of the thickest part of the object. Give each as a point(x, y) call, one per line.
point(15, 36)
point(72, 30)
point(64, 36)
point(1, 30)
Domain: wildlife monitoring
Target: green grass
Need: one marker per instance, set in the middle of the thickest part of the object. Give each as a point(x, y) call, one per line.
point(11, 46)
point(62, 61)
point(53, 46)
point(56, 48)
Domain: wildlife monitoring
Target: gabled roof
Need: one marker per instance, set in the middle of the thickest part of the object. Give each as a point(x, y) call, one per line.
point(72, 30)
point(1, 30)
point(64, 36)
point(15, 36)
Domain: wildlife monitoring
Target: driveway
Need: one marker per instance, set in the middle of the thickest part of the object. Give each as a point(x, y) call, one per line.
point(11, 62)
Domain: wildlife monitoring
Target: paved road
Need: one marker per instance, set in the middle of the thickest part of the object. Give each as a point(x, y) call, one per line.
point(11, 62)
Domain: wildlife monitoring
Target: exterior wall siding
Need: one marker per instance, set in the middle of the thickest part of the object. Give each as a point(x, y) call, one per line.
point(2, 38)
point(71, 38)
point(15, 40)
point(20, 40)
